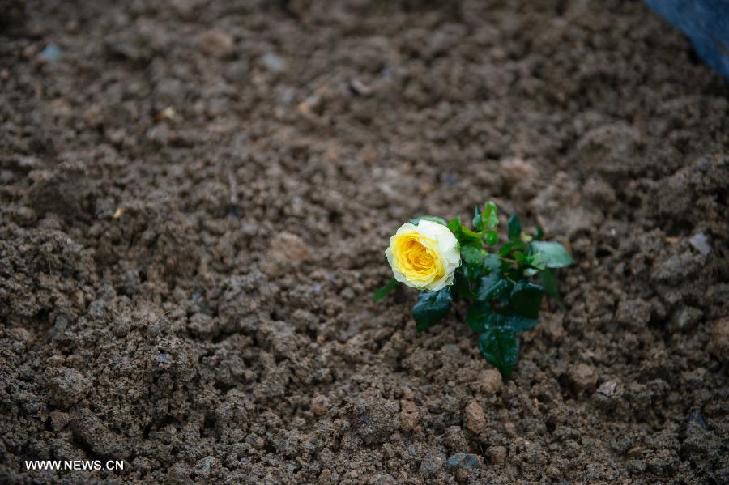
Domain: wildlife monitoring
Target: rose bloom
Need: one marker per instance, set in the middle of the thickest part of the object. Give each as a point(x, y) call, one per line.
point(424, 256)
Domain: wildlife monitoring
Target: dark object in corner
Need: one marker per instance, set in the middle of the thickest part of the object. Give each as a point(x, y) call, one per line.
point(705, 22)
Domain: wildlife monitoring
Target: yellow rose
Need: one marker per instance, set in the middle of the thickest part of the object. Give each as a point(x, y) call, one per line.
point(424, 256)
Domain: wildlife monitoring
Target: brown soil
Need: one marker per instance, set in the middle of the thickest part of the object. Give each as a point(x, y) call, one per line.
point(195, 201)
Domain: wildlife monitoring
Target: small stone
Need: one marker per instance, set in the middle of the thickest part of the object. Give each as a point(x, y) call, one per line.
point(325, 476)
point(359, 88)
point(719, 340)
point(273, 63)
point(205, 466)
point(685, 319)
point(164, 360)
point(310, 106)
point(431, 464)
point(553, 330)
point(59, 420)
point(553, 472)
point(633, 312)
point(319, 405)
point(286, 251)
point(408, 415)
point(700, 242)
point(461, 464)
point(454, 439)
point(289, 247)
point(68, 386)
point(607, 390)
point(255, 441)
point(374, 420)
point(496, 454)
point(516, 170)
point(23, 335)
point(216, 44)
point(490, 381)
point(583, 377)
point(475, 419)
point(608, 397)
point(510, 429)
point(51, 53)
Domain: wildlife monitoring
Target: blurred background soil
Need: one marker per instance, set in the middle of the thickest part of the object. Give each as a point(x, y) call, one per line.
point(195, 199)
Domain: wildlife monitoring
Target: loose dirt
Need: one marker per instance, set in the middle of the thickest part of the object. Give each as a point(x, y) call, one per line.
point(195, 199)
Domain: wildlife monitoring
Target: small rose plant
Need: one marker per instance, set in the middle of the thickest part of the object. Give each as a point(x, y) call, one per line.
point(503, 280)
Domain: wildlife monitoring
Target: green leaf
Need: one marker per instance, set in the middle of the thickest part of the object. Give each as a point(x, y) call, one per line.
point(478, 315)
point(476, 263)
point(492, 237)
point(549, 282)
point(514, 227)
point(518, 323)
point(486, 219)
point(474, 266)
point(477, 222)
point(465, 236)
point(515, 323)
point(490, 216)
point(493, 287)
point(431, 307)
point(492, 262)
point(480, 259)
point(525, 300)
point(536, 262)
point(462, 283)
point(500, 347)
point(385, 290)
point(454, 224)
point(549, 254)
point(511, 246)
point(473, 256)
point(481, 316)
point(439, 220)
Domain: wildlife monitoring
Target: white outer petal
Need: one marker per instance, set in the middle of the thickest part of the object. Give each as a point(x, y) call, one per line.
point(407, 227)
point(447, 248)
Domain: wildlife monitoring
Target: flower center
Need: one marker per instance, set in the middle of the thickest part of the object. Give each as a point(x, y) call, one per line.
point(418, 259)
point(418, 256)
